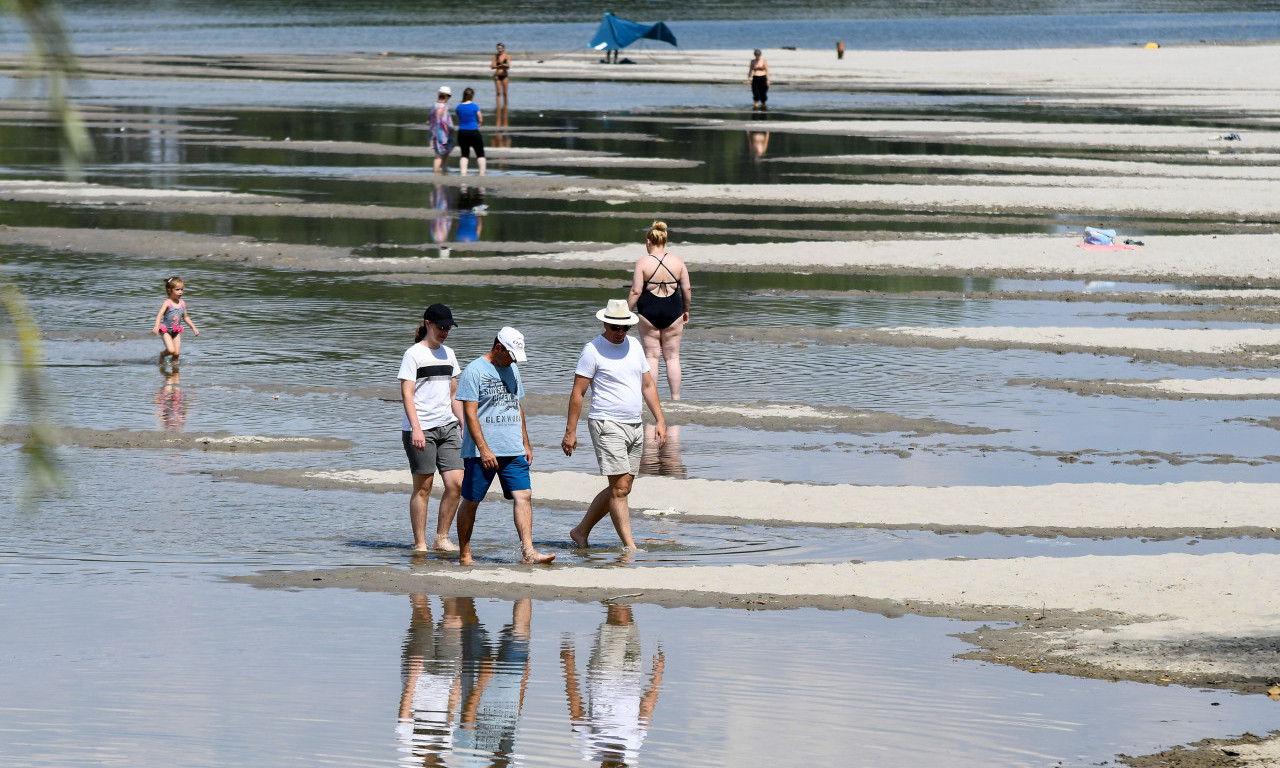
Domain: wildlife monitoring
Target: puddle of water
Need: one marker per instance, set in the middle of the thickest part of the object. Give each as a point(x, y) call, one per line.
point(222, 675)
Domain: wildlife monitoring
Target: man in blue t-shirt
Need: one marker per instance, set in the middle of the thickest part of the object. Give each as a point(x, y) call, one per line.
point(496, 442)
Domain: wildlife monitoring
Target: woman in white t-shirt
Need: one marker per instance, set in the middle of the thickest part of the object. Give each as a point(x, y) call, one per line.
point(431, 429)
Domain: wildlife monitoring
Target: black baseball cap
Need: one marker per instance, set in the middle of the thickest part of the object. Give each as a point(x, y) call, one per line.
point(440, 315)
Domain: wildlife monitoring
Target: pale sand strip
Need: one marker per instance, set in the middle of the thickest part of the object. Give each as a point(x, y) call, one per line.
point(1261, 388)
point(1191, 257)
point(1193, 596)
point(1099, 196)
point(1177, 389)
point(1229, 167)
point(1062, 506)
point(1201, 258)
point(1108, 136)
point(21, 189)
point(1202, 341)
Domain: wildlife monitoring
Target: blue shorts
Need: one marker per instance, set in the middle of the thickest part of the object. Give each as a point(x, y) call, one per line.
point(512, 472)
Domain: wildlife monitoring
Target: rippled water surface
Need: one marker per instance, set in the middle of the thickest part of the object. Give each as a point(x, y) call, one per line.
point(122, 644)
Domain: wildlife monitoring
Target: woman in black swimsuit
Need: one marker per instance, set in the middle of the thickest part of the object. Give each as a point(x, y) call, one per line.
point(660, 294)
point(501, 65)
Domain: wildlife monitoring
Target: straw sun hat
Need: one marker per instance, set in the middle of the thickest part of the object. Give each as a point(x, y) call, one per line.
point(616, 312)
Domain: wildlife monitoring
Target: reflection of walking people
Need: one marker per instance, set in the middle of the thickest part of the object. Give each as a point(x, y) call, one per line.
point(615, 369)
point(501, 66)
point(462, 694)
point(430, 667)
point(441, 127)
point(660, 294)
point(431, 429)
point(469, 140)
point(497, 441)
point(618, 707)
point(758, 76)
point(494, 682)
point(442, 221)
point(169, 319)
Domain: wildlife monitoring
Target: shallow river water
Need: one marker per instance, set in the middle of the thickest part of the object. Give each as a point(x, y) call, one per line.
point(123, 644)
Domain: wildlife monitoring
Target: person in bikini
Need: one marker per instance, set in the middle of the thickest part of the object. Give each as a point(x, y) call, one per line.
point(661, 296)
point(758, 76)
point(500, 65)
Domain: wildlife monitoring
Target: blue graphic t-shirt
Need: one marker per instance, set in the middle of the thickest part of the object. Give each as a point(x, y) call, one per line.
point(467, 120)
point(496, 393)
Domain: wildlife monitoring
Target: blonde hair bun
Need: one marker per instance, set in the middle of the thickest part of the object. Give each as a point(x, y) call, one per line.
point(658, 234)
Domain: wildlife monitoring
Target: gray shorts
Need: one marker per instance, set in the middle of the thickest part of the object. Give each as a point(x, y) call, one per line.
point(619, 446)
point(443, 451)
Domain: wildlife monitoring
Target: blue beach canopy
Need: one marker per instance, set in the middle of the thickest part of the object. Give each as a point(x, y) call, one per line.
point(615, 33)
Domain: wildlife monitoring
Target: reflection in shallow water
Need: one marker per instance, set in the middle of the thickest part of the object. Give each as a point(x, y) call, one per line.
point(664, 460)
point(463, 693)
point(471, 207)
point(611, 709)
point(171, 406)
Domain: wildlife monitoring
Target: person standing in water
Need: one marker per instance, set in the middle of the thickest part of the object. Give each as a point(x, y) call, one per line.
point(661, 295)
point(469, 140)
point(758, 76)
point(497, 442)
point(615, 369)
point(169, 319)
point(441, 128)
point(501, 65)
point(431, 429)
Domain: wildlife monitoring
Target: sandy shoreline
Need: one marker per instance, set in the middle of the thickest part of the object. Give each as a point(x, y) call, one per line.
point(1164, 511)
point(1243, 260)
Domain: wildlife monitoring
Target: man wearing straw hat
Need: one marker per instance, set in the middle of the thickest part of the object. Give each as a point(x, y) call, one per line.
point(614, 367)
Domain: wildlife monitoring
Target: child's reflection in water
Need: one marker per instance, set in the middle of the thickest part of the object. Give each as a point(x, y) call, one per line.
point(171, 408)
point(461, 694)
point(614, 719)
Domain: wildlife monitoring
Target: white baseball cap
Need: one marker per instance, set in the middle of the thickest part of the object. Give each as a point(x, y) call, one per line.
point(513, 341)
point(446, 90)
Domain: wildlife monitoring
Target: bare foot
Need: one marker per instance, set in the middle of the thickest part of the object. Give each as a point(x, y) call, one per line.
point(578, 538)
point(464, 556)
point(420, 550)
point(442, 544)
point(533, 556)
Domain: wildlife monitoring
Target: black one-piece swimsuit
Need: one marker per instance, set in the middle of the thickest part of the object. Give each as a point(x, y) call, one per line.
point(662, 311)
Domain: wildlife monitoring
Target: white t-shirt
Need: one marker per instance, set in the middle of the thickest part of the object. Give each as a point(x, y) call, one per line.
point(432, 371)
point(616, 372)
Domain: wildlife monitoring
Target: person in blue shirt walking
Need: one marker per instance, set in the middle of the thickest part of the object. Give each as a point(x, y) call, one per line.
point(469, 122)
point(497, 441)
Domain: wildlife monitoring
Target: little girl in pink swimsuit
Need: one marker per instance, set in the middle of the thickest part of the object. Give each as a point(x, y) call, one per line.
point(170, 317)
